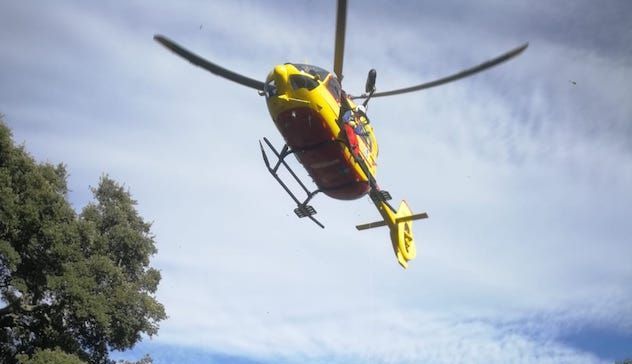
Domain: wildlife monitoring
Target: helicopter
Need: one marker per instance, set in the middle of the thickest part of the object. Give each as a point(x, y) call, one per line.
point(329, 132)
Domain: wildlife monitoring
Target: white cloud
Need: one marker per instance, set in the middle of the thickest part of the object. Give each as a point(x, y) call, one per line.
point(372, 334)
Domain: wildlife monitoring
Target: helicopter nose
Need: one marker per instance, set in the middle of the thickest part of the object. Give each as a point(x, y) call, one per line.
point(280, 71)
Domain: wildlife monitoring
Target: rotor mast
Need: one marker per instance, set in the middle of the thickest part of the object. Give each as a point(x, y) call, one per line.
point(339, 50)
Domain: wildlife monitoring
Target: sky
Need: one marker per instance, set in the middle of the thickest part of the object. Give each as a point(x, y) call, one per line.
point(525, 171)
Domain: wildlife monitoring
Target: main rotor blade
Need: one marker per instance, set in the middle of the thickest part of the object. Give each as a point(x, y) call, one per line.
point(211, 67)
point(341, 24)
point(465, 73)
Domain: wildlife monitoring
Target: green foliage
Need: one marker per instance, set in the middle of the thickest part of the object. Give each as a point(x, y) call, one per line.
point(72, 283)
point(144, 360)
point(49, 357)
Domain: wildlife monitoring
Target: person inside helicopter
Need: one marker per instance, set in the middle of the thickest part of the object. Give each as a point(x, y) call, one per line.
point(353, 123)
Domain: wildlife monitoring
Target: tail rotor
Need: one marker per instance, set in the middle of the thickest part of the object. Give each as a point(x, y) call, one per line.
point(400, 224)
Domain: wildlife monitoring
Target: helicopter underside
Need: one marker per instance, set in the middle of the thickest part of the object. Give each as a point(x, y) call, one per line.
point(322, 153)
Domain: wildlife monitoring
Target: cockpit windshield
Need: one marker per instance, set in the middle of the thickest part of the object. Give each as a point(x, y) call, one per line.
point(312, 70)
point(302, 81)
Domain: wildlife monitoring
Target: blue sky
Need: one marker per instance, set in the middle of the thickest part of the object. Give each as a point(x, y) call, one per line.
point(525, 175)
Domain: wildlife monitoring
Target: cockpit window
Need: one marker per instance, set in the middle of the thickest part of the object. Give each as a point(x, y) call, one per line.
point(270, 89)
point(318, 72)
point(302, 81)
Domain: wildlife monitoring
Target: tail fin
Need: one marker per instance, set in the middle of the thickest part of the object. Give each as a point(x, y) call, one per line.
point(400, 224)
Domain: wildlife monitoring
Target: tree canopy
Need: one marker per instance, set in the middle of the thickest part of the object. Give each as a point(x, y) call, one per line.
point(72, 283)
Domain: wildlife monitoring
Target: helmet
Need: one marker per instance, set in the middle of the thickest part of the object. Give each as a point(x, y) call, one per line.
point(361, 109)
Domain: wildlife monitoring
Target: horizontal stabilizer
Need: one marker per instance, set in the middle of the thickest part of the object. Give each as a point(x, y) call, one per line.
point(420, 216)
point(371, 225)
point(376, 224)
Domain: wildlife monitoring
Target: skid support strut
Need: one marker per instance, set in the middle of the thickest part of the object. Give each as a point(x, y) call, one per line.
point(302, 209)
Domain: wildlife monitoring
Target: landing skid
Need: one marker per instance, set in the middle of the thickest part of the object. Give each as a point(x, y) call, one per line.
point(302, 209)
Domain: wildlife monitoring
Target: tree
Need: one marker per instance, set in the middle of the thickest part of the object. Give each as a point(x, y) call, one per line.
point(81, 283)
point(48, 356)
point(144, 360)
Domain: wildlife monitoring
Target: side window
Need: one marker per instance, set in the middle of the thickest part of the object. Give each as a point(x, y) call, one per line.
point(334, 87)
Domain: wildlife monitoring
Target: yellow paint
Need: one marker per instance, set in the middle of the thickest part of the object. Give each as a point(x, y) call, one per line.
point(401, 231)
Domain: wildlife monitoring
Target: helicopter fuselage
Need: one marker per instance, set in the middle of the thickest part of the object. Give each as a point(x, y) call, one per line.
point(305, 104)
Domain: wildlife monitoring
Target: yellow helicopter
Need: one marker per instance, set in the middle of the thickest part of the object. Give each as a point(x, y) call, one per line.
point(329, 134)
